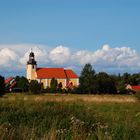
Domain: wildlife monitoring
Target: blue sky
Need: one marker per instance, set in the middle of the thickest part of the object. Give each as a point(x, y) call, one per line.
point(77, 24)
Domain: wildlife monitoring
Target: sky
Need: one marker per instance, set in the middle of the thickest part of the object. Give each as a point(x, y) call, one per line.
point(69, 34)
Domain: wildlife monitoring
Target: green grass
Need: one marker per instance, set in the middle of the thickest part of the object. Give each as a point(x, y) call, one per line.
point(24, 118)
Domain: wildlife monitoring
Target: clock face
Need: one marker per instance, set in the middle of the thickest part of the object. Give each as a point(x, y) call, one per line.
point(32, 57)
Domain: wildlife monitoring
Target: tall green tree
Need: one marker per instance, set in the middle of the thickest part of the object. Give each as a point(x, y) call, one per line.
point(87, 79)
point(53, 85)
point(2, 85)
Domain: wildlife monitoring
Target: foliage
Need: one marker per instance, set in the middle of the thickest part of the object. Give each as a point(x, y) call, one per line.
point(2, 85)
point(102, 83)
point(22, 83)
point(32, 119)
point(96, 83)
point(34, 87)
point(53, 85)
point(105, 84)
point(87, 79)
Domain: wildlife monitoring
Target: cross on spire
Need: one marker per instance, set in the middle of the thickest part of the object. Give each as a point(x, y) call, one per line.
point(31, 49)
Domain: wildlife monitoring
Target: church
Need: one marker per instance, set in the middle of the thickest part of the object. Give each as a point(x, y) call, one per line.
point(44, 75)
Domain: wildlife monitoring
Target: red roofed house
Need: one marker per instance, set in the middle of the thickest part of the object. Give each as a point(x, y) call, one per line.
point(44, 75)
point(133, 88)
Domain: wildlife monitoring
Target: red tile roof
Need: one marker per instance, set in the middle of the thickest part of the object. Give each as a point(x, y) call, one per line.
point(135, 87)
point(8, 80)
point(70, 74)
point(48, 73)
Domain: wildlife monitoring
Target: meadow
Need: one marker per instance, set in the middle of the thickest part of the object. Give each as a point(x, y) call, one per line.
point(69, 117)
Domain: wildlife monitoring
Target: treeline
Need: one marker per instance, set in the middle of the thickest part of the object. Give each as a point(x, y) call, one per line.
point(103, 83)
point(90, 82)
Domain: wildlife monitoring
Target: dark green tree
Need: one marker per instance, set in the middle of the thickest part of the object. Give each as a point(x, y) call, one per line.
point(53, 85)
point(34, 87)
point(87, 79)
point(2, 85)
point(105, 84)
point(126, 78)
point(22, 83)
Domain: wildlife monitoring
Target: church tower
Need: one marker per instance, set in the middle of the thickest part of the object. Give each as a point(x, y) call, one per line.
point(31, 67)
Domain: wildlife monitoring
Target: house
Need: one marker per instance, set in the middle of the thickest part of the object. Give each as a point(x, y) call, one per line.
point(136, 88)
point(133, 88)
point(44, 75)
point(10, 83)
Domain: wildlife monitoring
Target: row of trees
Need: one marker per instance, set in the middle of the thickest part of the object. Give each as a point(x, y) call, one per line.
point(89, 82)
point(92, 82)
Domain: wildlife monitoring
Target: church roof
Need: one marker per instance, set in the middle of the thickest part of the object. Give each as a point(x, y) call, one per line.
point(49, 73)
point(70, 73)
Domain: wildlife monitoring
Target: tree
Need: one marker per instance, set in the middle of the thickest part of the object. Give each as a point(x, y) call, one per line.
point(87, 79)
point(53, 85)
point(22, 83)
point(34, 87)
point(2, 85)
point(105, 83)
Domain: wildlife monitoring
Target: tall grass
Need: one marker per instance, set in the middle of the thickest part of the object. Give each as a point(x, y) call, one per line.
point(29, 119)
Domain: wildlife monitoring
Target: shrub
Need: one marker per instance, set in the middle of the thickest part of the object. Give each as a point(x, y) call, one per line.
point(2, 85)
point(122, 89)
point(53, 85)
point(22, 83)
point(34, 87)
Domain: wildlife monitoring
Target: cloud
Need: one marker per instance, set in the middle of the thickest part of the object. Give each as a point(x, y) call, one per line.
point(7, 57)
point(113, 60)
point(60, 55)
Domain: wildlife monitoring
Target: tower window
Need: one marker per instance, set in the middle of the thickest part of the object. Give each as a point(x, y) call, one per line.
point(33, 66)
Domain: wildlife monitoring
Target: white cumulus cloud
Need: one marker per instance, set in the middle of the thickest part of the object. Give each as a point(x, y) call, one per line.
point(8, 57)
point(119, 59)
point(60, 55)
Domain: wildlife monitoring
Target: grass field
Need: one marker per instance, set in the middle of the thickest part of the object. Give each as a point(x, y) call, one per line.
point(69, 117)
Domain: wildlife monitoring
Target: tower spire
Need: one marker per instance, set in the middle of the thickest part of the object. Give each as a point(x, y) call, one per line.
point(31, 67)
point(31, 58)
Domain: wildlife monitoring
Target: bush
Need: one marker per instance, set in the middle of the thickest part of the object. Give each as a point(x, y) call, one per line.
point(22, 83)
point(2, 85)
point(122, 89)
point(53, 85)
point(34, 87)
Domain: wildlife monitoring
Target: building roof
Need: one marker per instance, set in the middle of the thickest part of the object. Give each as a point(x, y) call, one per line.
point(70, 74)
point(135, 87)
point(49, 73)
point(8, 80)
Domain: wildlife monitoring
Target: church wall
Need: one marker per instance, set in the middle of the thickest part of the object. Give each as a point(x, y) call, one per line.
point(58, 81)
point(63, 81)
point(47, 82)
point(75, 81)
point(44, 82)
